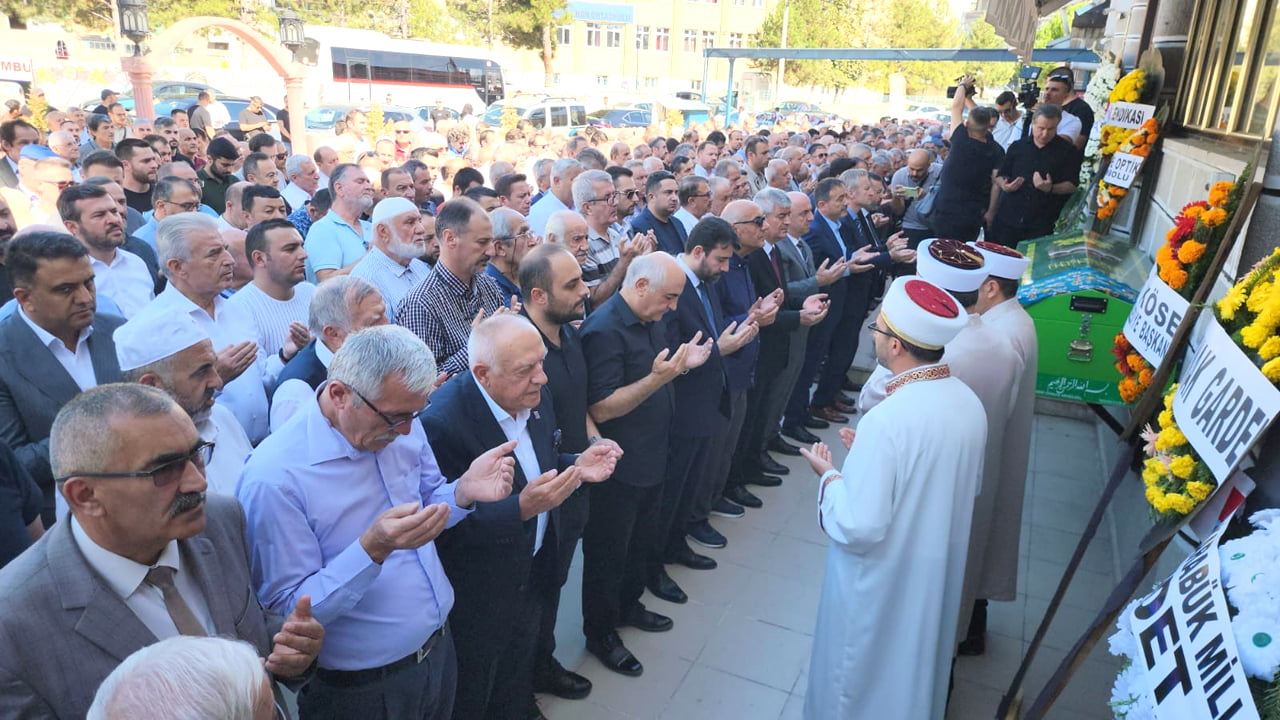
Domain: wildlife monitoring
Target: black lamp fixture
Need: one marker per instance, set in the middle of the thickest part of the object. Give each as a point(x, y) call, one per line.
point(133, 22)
point(291, 33)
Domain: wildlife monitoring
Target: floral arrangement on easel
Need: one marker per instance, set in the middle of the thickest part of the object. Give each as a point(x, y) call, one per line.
point(1174, 477)
point(1253, 593)
point(1141, 85)
point(1250, 313)
point(1182, 261)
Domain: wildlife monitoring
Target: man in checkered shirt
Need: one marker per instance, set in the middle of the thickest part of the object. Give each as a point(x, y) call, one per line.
point(441, 309)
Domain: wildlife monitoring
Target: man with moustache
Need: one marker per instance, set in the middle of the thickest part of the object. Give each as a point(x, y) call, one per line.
point(277, 299)
point(55, 346)
point(609, 250)
point(336, 242)
point(663, 196)
point(512, 238)
point(555, 297)
point(219, 173)
point(93, 218)
point(441, 309)
point(144, 555)
point(199, 266)
point(399, 240)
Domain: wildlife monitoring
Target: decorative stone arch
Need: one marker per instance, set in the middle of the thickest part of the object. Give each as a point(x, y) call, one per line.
point(281, 61)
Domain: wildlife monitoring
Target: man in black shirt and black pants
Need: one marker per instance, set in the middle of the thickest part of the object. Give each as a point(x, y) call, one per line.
point(964, 184)
point(1037, 176)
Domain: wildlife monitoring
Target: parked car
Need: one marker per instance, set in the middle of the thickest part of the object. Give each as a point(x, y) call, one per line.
point(326, 116)
point(235, 105)
point(166, 94)
point(619, 117)
point(551, 113)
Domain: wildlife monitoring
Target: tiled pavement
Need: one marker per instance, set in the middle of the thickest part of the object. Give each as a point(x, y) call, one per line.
point(740, 646)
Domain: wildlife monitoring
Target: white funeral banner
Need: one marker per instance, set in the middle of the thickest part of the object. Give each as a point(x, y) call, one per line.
point(1128, 115)
point(1185, 645)
point(1223, 403)
point(1122, 169)
point(1154, 318)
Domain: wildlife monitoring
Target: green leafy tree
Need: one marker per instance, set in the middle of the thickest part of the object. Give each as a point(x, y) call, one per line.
point(523, 24)
point(993, 76)
point(90, 14)
point(814, 24)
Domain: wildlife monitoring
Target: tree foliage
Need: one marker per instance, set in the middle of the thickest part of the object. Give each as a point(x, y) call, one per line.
point(91, 14)
point(523, 24)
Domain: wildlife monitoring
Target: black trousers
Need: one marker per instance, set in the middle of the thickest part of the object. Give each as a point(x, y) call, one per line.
point(573, 519)
point(964, 228)
point(685, 473)
point(615, 548)
point(422, 691)
point(758, 419)
point(816, 349)
point(844, 345)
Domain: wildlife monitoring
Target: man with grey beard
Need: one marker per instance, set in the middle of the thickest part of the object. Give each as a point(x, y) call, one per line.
point(392, 263)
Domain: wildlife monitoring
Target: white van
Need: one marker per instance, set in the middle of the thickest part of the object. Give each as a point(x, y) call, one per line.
point(544, 113)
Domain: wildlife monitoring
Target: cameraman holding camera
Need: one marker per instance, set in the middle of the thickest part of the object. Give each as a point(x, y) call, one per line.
point(964, 185)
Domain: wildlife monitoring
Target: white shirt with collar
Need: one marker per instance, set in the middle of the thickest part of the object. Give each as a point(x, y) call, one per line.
point(231, 448)
point(686, 218)
point(294, 394)
point(700, 171)
point(127, 280)
point(517, 428)
point(78, 364)
point(128, 580)
point(295, 196)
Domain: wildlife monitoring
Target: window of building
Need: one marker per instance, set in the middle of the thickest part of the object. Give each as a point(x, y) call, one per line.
point(708, 39)
point(595, 33)
point(662, 39)
point(695, 85)
point(564, 35)
point(735, 40)
point(651, 82)
point(613, 36)
point(642, 37)
point(1230, 81)
point(602, 79)
point(690, 41)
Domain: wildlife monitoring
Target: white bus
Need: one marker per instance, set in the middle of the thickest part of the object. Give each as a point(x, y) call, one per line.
point(365, 66)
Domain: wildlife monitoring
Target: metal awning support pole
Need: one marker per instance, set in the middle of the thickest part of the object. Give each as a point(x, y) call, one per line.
point(705, 61)
point(728, 95)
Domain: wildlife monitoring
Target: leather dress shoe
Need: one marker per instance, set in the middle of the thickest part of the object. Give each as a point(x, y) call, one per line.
point(662, 586)
point(764, 480)
point(845, 408)
point(814, 423)
point(562, 683)
point(846, 400)
point(799, 434)
point(611, 653)
point(725, 509)
point(782, 447)
point(707, 536)
point(829, 414)
point(534, 712)
point(769, 465)
point(687, 557)
point(648, 620)
point(743, 497)
point(850, 386)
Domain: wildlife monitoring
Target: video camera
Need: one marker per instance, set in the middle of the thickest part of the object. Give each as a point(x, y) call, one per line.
point(1029, 92)
point(968, 89)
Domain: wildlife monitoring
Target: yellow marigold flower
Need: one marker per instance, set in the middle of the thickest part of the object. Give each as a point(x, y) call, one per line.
point(1150, 478)
point(1253, 335)
point(1166, 418)
point(1199, 490)
point(1168, 399)
point(1270, 348)
point(1271, 369)
point(1219, 192)
point(1182, 466)
point(1169, 438)
point(1213, 217)
point(1155, 496)
point(1257, 299)
point(1180, 504)
point(1153, 465)
point(1228, 305)
point(1190, 252)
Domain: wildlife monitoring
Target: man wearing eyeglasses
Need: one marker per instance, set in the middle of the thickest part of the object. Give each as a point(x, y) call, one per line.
point(35, 200)
point(144, 555)
point(695, 201)
point(512, 239)
point(1008, 121)
point(343, 504)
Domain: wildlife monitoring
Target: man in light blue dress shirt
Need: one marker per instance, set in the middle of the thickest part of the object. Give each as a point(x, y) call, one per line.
point(343, 503)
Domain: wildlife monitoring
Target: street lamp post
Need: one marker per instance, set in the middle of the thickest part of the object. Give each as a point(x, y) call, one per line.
point(293, 36)
point(134, 25)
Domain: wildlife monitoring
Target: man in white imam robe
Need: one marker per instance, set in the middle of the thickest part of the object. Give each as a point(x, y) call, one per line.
point(899, 522)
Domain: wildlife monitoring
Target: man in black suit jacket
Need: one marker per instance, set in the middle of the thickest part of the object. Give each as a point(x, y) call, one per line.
point(14, 135)
point(501, 557)
point(86, 595)
point(51, 348)
point(751, 463)
point(702, 401)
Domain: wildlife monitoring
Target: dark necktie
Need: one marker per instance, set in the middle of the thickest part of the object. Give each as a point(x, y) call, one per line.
point(161, 577)
point(773, 260)
point(706, 305)
point(873, 238)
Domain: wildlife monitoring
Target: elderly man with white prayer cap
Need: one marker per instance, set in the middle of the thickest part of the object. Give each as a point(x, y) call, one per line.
point(392, 263)
point(170, 351)
point(898, 516)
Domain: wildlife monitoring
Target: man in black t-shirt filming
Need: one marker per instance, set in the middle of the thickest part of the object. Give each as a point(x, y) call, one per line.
point(964, 185)
point(1037, 176)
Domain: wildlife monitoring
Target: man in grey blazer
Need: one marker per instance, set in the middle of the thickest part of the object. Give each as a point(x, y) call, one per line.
point(14, 135)
point(802, 280)
point(53, 347)
point(144, 555)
